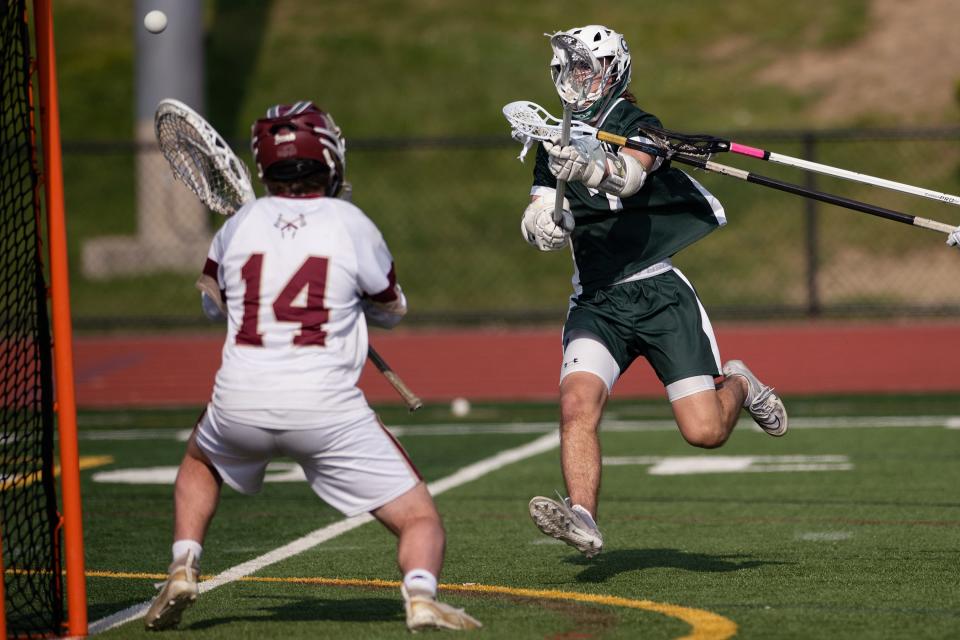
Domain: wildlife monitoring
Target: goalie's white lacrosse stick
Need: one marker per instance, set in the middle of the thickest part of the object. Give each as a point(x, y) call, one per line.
point(200, 157)
point(579, 68)
point(533, 122)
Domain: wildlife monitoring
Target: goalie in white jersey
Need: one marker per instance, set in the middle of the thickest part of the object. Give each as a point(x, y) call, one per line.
point(298, 274)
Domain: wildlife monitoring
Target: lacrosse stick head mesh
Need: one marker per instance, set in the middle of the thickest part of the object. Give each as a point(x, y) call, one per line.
point(597, 63)
point(528, 120)
point(699, 145)
point(201, 159)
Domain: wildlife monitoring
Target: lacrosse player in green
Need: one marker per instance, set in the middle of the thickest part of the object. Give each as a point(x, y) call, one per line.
point(626, 214)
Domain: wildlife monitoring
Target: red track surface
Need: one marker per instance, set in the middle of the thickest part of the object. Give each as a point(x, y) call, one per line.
point(178, 370)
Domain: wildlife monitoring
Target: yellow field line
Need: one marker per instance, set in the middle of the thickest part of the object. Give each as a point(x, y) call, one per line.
point(705, 625)
point(24, 480)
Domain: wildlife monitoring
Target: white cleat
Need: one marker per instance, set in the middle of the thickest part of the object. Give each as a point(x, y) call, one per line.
point(177, 593)
point(424, 612)
point(559, 520)
point(761, 402)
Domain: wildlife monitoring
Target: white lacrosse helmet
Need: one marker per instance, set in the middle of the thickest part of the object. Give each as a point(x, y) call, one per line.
point(610, 49)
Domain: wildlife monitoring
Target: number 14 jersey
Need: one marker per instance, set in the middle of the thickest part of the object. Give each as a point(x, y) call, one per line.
point(292, 272)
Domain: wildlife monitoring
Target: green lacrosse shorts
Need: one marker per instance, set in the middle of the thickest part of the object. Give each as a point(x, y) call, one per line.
point(659, 318)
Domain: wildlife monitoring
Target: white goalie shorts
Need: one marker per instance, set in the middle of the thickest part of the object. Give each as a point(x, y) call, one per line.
point(355, 467)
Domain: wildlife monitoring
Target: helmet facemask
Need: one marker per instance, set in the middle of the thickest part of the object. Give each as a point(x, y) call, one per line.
point(601, 51)
point(576, 71)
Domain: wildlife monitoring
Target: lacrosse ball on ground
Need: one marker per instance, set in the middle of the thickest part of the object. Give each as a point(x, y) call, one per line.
point(460, 407)
point(155, 21)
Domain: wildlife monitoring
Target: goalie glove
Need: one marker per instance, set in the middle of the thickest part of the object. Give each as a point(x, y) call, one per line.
point(585, 161)
point(212, 308)
point(385, 314)
point(212, 300)
point(539, 229)
point(380, 316)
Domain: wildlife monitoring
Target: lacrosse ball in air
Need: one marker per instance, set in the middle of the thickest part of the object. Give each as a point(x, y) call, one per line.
point(460, 407)
point(155, 21)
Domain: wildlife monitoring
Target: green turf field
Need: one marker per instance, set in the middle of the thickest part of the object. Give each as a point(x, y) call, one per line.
point(847, 527)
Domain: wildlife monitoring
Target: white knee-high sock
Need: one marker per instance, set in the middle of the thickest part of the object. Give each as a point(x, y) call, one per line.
point(181, 547)
point(420, 582)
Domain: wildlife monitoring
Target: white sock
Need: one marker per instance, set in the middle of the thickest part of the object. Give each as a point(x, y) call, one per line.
point(420, 582)
point(181, 547)
point(585, 515)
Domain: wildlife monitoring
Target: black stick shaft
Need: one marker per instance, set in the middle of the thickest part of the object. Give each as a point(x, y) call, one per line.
point(707, 144)
point(409, 397)
point(797, 190)
point(779, 185)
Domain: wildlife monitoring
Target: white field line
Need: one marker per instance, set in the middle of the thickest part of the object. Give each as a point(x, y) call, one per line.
point(688, 465)
point(463, 476)
point(619, 425)
point(824, 536)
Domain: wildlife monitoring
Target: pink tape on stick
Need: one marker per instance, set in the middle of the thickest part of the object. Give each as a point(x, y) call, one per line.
point(743, 149)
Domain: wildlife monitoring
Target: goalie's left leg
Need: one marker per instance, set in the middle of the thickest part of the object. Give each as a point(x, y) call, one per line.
point(424, 612)
point(178, 592)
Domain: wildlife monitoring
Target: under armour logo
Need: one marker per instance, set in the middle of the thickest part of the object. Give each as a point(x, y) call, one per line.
point(289, 225)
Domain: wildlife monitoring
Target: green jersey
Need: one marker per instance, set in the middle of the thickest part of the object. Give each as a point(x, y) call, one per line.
point(615, 238)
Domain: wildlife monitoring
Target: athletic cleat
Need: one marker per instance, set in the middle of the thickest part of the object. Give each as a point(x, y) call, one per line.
point(761, 402)
point(424, 612)
point(559, 520)
point(177, 593)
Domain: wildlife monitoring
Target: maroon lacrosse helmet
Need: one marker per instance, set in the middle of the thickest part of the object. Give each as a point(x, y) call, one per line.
point(298, 140)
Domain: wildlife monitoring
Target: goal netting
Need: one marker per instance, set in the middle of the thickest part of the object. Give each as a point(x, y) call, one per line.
point(28, 505)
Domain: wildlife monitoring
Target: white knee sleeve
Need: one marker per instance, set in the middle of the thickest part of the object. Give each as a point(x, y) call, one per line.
point(689, 386)
point(585, 352)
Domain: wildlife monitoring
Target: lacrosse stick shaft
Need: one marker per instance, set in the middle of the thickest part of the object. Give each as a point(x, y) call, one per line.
point(779, 185)
point(578, 69)
point(839, 201)
point(562, 184)
point(696, 145)
point(808, 165)
point(409, 397)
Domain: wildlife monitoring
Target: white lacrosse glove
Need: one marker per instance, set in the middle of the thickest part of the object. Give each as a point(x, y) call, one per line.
point(211, 300)
point(953, 239)
point(213, 309)
point(385, 314)
point(380, 315)
point(585, 161)
point(539, 229)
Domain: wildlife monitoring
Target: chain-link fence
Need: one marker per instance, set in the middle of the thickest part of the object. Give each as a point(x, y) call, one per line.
point(450, 211)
